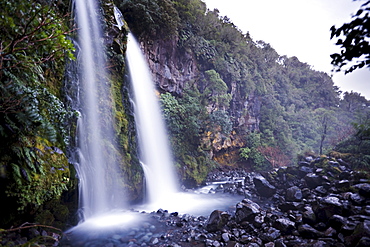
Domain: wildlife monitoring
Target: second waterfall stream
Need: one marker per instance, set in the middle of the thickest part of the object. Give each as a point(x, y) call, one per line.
point(153, 139)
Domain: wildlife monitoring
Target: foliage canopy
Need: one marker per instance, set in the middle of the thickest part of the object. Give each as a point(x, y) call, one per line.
point(353, 39)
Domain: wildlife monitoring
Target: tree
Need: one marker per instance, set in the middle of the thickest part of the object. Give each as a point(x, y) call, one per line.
point(215, 91)
point(274, 155)
point(355, 43)
point(32, 34)
point(353, 101)
point(325, 120)
point(150, 19)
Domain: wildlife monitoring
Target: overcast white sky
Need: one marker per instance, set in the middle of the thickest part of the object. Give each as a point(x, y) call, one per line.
point(298, 28)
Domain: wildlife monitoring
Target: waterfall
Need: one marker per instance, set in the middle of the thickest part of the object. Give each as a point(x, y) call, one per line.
point(154, 147)
point(97, 166)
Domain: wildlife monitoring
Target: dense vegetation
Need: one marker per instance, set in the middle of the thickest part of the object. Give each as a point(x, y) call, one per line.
point(248, 106)
point(34, 167)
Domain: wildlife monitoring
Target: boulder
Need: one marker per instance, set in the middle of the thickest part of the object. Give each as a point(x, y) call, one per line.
point(284, 225)
point(362, 230)
point(269, 234)
point(225, 237)
point(363, 189)
point(217, 220)
point(293, 194)
point(286, 206)
point(313, 180)
point(327, 207)
point(263, 187)
point(304, 170)
point(364, 241)
point(246, 210)
point(337, 222)
point(308, 231)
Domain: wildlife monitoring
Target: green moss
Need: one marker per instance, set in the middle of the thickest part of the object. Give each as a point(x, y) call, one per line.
point(125, 146)
point(195, 168)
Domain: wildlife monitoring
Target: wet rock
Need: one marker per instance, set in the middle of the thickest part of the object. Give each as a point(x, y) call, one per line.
point(270, 244)
point(313, 180)
point(269, 234)
point(343, 184)
point(286, 206)
point(348, 228)
point(321, 190)
point(217, 220)
point(284, 225)
point(233, 244)
point(367, 210)
point(356, 198)
point(258, 221)
point(308, 216)
point(363, 189)
point(246, 210)
point(304, 163)
point(263, 187)
point(292, 206)
point(364, 241)
point(225, 237)
point(337, 221)
point(279, 243)
point(362, 230)
point(293, 194)
point(327, 207)
point(154, 241)
point(304, 170)
point(308, 231)
point(330, 232)
point(344, 175)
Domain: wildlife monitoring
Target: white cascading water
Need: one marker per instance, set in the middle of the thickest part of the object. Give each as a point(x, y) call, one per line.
point(162, 188)
point(98, 190)
point(153, 140)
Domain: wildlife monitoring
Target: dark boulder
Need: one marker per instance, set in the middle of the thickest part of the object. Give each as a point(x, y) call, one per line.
point(327, 207)
point(313, 180)
point(308, 231)
point(337, 221)
point(269, 234)
point(263, 187)
point(284, 225)
point(217, 220)
point(363, 242)
point(362, 230)
point(363, 189)
point(246, 210)
point(286, 206)
point(293, 194)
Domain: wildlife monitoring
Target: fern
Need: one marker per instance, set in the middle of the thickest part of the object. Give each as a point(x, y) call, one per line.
point(28, 159)
point(16, 173)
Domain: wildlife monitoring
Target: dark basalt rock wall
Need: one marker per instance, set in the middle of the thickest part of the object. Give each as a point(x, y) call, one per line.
point(174, 67)
point(171, 67)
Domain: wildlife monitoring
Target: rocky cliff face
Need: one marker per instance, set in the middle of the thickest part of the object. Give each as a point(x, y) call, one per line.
point(173, 68)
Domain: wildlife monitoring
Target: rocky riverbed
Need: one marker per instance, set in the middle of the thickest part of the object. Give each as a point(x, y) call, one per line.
point(320, 202)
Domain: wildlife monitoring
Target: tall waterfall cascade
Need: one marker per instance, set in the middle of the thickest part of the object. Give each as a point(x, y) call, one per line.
point(96, 168)
point(103, 209)
point(153, 139)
